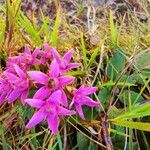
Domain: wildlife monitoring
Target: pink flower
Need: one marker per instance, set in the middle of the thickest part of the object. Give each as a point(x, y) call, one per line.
point(63, 62)
point(5, 88)
point(15, 60)
point(80, 98)
point(29, 58)
point(46, 55)
point(25, 60)
point(50, 110)
point(20, 84)
point(51, 82)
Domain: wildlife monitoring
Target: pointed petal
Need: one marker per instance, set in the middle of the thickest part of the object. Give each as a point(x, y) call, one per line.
point(36, 118)
point(42, 93)
point(38, 76)
point(56, 56)
point(67, 57)
point(27, 50)
point(56, 97)
point(86, 90)
point(11, 77)
point(73, 65)
point(53, 123)
point(54, 69)
point(47, 47)
point(36, 52)
point(14, 95)
point(37, 103)
point(14, 60)
point(64, 98)
point(65, 80)
point(36, 61)
point(79, 110)
point(2, 98)
point(19, 72)
point(65, 112)
point(89, 102)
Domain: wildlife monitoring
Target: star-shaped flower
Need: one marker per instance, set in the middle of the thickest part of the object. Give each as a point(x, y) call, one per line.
point(29, 58)
point(63, 62)
point(50, 110)
point(80, 98)
point(46, 55)
point(19, 83)
point(51, 82)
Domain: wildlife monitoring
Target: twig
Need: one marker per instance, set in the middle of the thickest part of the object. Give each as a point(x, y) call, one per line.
point(65, 137)
point(106, 134)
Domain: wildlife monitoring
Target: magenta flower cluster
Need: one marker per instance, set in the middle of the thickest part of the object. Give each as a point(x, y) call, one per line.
point(50, 98)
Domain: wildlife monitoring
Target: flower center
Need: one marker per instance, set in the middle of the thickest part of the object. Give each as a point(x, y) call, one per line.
point(63, 65)
point(48, 109)
point(51, 83)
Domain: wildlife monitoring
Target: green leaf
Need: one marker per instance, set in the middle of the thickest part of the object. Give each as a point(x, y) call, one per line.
point(132, 125)
point(59, 141)
point(136, 112)
point(136, 78)
point(84, 50)
point(109, 84)
point(130, 96)
point(142, 61)
point(114, 112)
point(104, 96)
point(54, 34)
point(82, 141)
point(3, 140)
point(75, 73)
point(26, 24)
point(96, 50)
point(146, 73)
point(113, 29)
point(116, 65)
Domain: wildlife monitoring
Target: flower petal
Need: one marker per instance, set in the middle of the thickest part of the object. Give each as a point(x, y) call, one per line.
point(73, 65)
point(54, 69)
point(11, 77)
point(65, 112)
point(36, 52)
point(85, 100)
point(56, 97)
point(36, 61)
point(37, 103)
point(79, 110)
point(14, 95)
point(2, 98)
point(53, 123)
point(64, 98)
point(42, 93)
point(36, 118)
point(65, 80)
point(67, 56)
point(86, 90)
point(47, 47)
point(19, 72)
point(56, 56)
point(38, 76)
point(27, 50)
